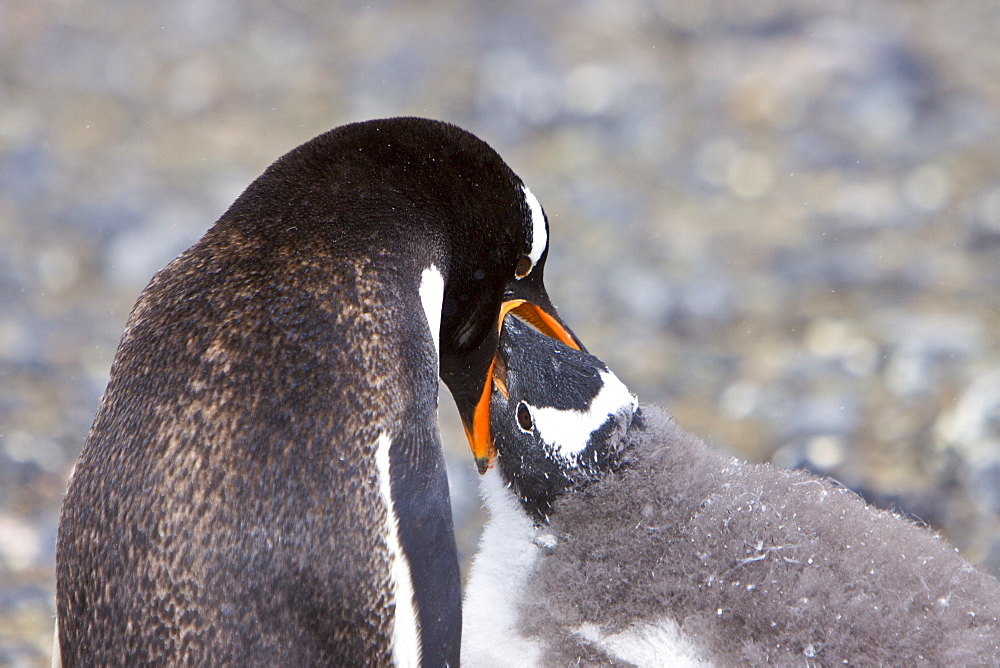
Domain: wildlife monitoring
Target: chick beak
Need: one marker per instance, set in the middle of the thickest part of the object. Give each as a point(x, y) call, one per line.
point(480, 438)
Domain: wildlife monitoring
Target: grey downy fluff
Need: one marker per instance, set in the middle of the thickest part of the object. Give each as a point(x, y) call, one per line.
point(615, 537)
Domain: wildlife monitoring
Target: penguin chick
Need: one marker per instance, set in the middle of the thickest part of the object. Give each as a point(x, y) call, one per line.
point(646, 547)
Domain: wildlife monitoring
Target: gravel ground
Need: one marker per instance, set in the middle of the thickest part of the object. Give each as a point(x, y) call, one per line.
point(780, 220)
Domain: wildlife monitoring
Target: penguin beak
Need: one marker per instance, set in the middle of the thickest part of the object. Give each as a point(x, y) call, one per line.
point(480, 438)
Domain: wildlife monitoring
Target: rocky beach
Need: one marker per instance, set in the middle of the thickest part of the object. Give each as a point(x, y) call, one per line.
point(780, 220)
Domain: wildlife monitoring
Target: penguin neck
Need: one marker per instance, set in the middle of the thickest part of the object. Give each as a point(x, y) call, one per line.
point(508, 551)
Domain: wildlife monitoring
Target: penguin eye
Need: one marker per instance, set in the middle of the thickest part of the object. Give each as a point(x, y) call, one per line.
point(524, 420)
point(524, 266)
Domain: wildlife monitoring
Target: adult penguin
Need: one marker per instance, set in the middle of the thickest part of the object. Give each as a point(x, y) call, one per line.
point(263, 482)
point(617, 538)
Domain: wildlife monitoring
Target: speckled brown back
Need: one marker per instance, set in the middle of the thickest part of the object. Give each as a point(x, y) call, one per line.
point(211, 470)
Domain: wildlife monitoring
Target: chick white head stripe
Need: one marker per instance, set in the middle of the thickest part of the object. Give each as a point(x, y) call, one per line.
point(406, 629)
point(539, 236)
point(568, 431)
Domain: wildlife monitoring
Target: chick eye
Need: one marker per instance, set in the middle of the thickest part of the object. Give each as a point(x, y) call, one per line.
point(524, 266)
point(524, 420)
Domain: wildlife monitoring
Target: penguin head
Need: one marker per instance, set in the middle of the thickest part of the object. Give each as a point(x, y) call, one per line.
point(427, 192)
point(559, 416)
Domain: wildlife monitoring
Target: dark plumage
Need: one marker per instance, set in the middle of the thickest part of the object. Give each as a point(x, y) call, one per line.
point(676, 551)
point(263, 482)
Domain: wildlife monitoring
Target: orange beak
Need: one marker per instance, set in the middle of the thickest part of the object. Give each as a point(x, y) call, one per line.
point(480, 438)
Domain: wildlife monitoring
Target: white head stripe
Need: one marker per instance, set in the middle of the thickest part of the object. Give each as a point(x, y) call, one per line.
point(568, 431)
point(539, 237)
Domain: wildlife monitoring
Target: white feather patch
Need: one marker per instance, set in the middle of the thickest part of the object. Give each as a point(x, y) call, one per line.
point(539, 236)
point(500, 572)
point(652, 645)
point(406, 628)
point(431, 298)
point(56, 650)
point(567, 432)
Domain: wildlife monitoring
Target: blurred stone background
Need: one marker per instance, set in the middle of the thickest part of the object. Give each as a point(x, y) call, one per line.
point(779, 219)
